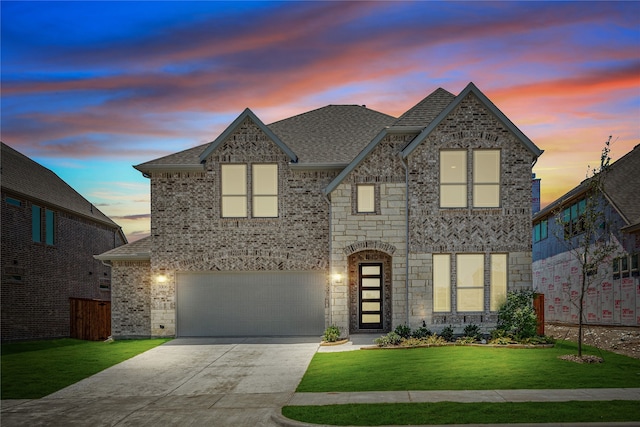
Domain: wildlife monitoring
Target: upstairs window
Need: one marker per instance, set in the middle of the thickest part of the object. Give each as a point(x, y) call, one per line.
point(453, 179)
point(573, 218)
point(234, 190)
point(49, 226)
point(36, 223)
point(486, 178)
point(265, 191)
point(634, 265)
point(541, 230)
point(12, 201)
point(366, 202)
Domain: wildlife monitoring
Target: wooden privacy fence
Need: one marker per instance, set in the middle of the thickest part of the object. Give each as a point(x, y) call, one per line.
point(90, 319)
point(538, 306)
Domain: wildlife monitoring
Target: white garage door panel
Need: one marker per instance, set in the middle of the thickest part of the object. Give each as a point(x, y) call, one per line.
point(250, 304)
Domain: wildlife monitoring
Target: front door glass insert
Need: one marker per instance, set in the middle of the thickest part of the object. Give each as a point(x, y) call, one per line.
point(370, 289)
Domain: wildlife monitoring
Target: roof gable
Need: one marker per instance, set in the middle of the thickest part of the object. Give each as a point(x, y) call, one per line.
point(471, 88)
point(30, 179)
point(232, 128)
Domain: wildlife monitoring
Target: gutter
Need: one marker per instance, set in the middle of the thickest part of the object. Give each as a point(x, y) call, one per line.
point(406, 219)
point(326, 198)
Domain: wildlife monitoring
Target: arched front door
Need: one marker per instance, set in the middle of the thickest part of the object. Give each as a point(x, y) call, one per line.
point(369, 292)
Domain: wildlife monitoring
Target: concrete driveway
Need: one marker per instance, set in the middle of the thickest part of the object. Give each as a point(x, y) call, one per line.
point(187, 381)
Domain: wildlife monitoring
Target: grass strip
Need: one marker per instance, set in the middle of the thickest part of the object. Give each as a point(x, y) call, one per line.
point(466, 368)
point(31, 370)
point(465, 413)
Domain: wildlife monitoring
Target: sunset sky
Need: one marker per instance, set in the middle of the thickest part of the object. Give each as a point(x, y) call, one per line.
point(91, 88)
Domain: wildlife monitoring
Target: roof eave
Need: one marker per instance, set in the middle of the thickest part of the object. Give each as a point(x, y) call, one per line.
point(145, 169)
point(142, 256)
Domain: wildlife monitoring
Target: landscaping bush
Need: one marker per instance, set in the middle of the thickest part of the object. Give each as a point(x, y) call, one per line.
point(473, 331)
point(391, 338)
point(331, 334)
point(403, 330)
point(447, 333)
point(421, 332)
point(516, 317)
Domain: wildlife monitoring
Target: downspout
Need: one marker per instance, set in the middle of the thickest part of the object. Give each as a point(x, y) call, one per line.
point(406, 219)
point(326, 198)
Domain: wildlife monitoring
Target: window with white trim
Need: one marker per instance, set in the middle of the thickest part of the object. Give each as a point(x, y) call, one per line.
point(470, 286)
point(486, 178)
point(441, 282)
point(234, 190)
point(470, 282)
point(498, 281)
point(453, 178)
point(265, 190)
point(366, 198)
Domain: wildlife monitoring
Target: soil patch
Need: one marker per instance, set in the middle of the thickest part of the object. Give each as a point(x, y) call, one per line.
point(618, 339)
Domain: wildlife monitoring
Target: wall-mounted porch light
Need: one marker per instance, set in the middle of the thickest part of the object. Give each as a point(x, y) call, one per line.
point(161, 278)
point(337, 277)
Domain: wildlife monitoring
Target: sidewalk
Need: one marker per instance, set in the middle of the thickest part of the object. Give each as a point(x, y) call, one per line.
point(464, 396)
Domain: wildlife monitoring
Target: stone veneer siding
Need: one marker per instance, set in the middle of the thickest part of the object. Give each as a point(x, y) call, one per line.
point(383, 231)
point(506, 229)
point(190, 235)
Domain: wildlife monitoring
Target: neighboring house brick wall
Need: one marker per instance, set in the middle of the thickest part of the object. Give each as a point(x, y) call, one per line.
point(469, 230)
point(37, 306)
point(190, 235)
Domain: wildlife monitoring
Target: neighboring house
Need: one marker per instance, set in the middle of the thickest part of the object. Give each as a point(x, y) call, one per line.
point(341, 215)
point(614, 295)
point(49, 236)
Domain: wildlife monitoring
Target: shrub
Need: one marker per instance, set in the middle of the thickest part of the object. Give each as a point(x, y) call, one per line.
point(447, 333)
point(472, 331)
point(390, 339)
point(412, 342)
point(403, 330)
point(331, 334)
point(421, 332)
point(435, 339)
point(465, 340)
point(516, 317)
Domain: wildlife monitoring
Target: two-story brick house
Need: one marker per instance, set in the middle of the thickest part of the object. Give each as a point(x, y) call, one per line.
point(340, 215)
point(49, 235)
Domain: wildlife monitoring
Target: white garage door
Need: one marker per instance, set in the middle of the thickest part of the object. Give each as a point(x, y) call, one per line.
point(250, 304)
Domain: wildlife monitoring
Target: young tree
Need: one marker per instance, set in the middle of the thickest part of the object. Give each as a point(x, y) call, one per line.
point(584, 230)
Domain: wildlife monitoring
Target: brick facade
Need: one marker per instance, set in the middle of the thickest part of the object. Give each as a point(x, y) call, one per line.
point(190, 235)
point(38, 279)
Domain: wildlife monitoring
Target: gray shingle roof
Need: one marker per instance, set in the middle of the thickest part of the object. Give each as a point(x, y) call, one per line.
point(622, 185)
point(426, 110)
point(23, 176)
point(331, 134)
point(140, 250)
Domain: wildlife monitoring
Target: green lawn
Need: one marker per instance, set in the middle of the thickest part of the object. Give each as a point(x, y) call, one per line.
point(466, 368)
point(31, 370)
point(465, 413)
